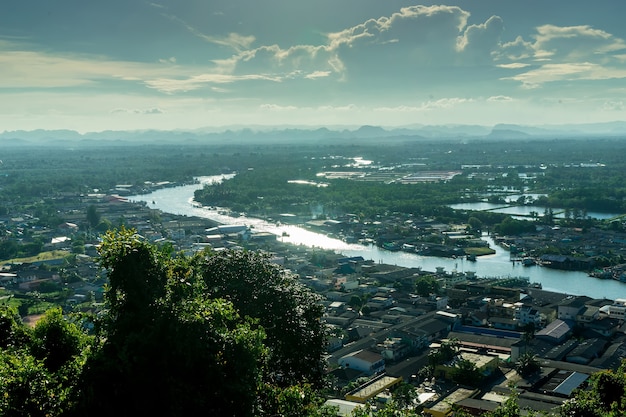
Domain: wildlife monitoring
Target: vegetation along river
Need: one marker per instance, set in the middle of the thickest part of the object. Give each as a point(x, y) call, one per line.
point(179, 201)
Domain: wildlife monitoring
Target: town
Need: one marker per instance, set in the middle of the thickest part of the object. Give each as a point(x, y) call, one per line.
point(386, 323)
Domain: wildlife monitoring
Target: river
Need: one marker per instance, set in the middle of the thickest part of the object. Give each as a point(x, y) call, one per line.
point(179, 201)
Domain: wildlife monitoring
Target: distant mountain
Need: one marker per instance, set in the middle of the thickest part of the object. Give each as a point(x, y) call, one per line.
point(291, 134)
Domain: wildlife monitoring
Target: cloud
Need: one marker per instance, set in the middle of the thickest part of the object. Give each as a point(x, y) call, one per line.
point(480, 41)
point(567, 72)
point(513, 65)
point(516, 50)
point(35, 69)
point(564, 53)
point(617, 105)
point(500, 99)
point(276, 107)
point(154, 110)
point(416, 36)
point(317, 74)
point(174, 85)
point(575, 42)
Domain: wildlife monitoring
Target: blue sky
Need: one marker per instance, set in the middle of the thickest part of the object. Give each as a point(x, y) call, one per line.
point(186, 64)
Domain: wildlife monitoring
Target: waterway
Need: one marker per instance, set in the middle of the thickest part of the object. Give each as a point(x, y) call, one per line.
point(179, 201)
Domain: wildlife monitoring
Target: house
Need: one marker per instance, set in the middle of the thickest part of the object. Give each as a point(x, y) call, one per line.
point(485, 364)
point(420, 332)
point(363, 360)
point(445, 406)
point(556, 332)
point(588, 314)
point(571, 307)
point(393, 349)
point(605, 327)
point(372, 388)
point(503, 323)
point(586, 351)
point(525, 315)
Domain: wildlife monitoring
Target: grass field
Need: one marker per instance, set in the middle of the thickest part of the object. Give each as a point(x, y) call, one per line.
point(43, 256)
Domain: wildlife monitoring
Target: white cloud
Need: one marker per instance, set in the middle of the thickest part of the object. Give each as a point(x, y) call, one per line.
point(617, 105)
point(567, 72)
point(173, 85)
point(575, 42)
point(516, 50)
point(445, 103)
point(317, 74)
point(418, 34)
point(154, 110)
point(483, 39)
point(20, 68)
point(276, 107)
point(513, 65)
point(500, 99)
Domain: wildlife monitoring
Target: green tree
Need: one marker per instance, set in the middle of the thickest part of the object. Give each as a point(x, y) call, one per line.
point(527, 364)
point(426, 285)
point(13, 333)
point(28, 388)
point(466, 373)
point(404, 395)
point(93, 216)
point(57, 341)
point(289, 312)
point(165, 348)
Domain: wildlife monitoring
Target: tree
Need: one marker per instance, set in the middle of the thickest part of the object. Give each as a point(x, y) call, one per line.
point(444, 353)
point(466, 373)
point(165, 348)
point(288, 312)
point(93, 217)
point(475, 225)
point(404, 395)
point(527, 364)
point(426, 285)
point(57, 341)
point(28, 388)
point(208, 334)
point(13, 333)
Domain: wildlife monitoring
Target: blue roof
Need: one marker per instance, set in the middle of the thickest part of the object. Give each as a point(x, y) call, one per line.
point(571, 383)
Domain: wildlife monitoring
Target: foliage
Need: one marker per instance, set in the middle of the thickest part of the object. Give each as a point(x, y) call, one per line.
point(288, 312)
point(13, 333)
point(426, 285)
point(510, 226)
point(57, 341)
point(444, 353)
point(527, 364)
point(28, 388)
point(180, 328)
point(466, 373)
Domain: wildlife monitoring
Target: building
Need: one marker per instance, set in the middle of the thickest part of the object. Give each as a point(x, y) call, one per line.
point(571, 307)
point(372, 388)
point(363, 360)
point(486, 364)
point(445, 406)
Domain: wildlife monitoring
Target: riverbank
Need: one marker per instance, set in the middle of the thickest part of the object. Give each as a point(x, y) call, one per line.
point(179, 201)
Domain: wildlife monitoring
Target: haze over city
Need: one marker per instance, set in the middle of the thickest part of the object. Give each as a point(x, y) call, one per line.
point(120, 64)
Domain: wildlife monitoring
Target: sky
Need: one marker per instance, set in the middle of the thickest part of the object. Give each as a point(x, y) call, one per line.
point(206, 64)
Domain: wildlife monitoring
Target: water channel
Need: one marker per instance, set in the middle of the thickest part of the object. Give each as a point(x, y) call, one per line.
point(179, 201)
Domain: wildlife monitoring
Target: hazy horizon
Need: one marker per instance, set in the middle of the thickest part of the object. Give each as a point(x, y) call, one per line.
point(168, 65)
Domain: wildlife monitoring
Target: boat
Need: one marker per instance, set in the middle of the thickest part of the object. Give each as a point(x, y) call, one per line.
point(470, 257)
point(528, 261)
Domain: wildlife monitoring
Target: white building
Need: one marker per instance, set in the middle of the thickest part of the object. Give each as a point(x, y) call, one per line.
point(365, 361)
